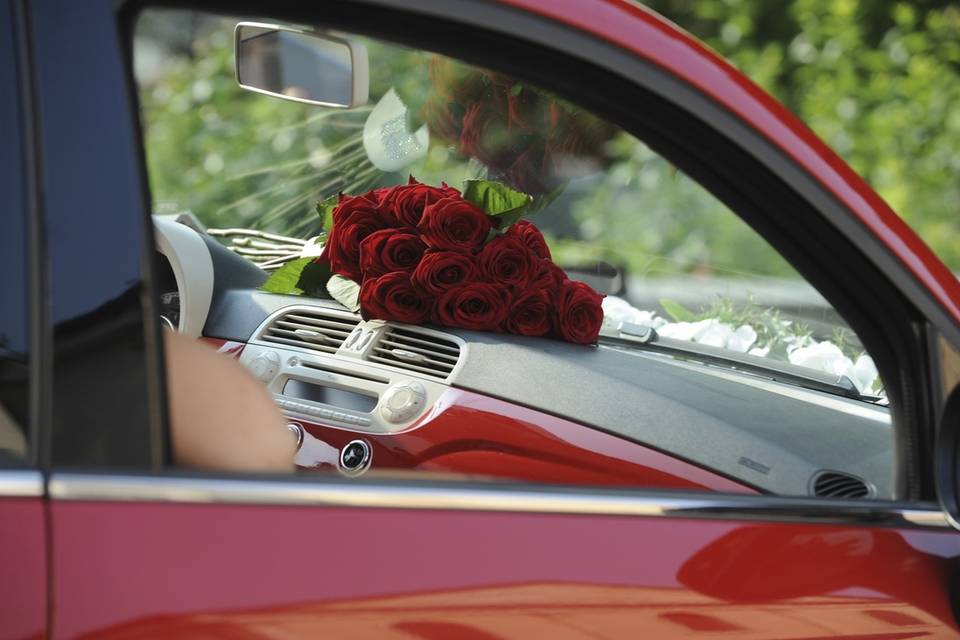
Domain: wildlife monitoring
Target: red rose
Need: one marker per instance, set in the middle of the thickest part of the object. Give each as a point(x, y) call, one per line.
point(528, 233)
point(506, 260)
point(478, 306)
point(548, 277)
point(441, 270)
point(444, 120)
point(454, 223)
point(531, 171)
point(378, 194)
point(531, 314)
point(354, 219)
point(579, 312)
point(484, 135)
point(407, 202)
point(393, 297)
point(390, 250)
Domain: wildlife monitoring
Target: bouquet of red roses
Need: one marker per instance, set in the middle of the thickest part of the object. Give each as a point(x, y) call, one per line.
point(416, 253)
point(526, 137)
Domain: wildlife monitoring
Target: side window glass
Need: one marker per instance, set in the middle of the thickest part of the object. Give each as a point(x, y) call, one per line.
point(14, 313)
point(473, 352)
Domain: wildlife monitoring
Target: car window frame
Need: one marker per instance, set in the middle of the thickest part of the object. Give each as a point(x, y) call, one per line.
point(525, 30)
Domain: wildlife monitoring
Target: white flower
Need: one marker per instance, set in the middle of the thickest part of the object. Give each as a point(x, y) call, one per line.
point(617, 310)
point(711, 332)
point(864, 373)
point(682, 330)
point(742, 339)
point(822, 356)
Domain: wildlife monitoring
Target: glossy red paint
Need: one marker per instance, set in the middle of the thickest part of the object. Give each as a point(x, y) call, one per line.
point(628, 25)
point(467, 433)
point(23, 568)
point(249, 571)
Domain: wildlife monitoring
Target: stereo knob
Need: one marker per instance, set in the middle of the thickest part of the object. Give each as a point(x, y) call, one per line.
point(265, 366)
point(355, 458)
point(403, 401)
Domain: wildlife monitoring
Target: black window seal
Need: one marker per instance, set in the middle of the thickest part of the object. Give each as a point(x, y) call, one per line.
point(41, 334)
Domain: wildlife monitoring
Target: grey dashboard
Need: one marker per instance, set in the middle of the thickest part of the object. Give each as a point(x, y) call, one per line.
point(774, 436)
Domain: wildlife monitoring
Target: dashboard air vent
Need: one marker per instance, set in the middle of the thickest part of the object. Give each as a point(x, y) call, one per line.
point(311, 329)
point(832, 484)
point(418, 351)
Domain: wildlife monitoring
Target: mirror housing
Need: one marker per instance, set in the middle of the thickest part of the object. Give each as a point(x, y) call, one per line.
point(302, 66)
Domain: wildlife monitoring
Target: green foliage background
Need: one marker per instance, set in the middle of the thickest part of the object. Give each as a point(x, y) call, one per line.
point(878, 80)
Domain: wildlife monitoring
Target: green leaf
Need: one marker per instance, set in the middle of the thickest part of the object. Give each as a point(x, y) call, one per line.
point(325, 211)
point(516, 89)
point(286, 279)
point(497, 199)
point(677, 311)
point(345, 291)
point(314, 277)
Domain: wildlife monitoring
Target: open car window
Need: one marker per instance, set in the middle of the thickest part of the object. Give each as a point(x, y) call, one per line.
point(706, 346)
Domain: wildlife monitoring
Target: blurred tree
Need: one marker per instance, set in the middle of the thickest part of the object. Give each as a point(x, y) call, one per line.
point(878, 80)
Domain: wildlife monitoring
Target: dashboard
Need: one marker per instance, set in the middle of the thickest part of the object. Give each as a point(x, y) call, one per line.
point(375, 395)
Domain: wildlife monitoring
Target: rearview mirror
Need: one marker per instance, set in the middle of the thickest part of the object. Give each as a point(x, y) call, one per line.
point(303, 66)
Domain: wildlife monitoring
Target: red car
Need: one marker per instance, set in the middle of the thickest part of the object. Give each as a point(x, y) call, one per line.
point(401, 217)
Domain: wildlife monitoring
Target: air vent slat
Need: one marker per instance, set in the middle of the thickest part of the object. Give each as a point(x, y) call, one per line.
point(342, 325)
point(407, 365)
point(425, 362)
point(316, 331)
point(300, 343)
point(439, 345)
point(415, 351)
point(833, 484)
point(312, 327)
point(451, 360)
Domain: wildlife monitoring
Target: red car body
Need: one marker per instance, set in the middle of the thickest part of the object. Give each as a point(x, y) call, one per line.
point(352, 561)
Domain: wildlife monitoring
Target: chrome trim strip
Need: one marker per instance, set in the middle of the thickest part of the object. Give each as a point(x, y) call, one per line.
point(504, 498)
point(21, 483)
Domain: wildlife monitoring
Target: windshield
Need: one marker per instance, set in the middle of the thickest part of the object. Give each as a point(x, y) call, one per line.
point(665, 252)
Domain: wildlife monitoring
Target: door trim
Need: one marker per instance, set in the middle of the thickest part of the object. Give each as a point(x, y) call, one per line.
point(338, 492)
point(21, 483)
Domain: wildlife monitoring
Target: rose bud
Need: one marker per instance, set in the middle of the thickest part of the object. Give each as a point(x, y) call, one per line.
point(528, 233)
point(454, 223)
point(531, 314)
point(506, 260)
point(408, 201)
point(390, 250)
point(579, 312)
point(393, 297)
point(478, 306)
point(354, 219)
point(440, 270)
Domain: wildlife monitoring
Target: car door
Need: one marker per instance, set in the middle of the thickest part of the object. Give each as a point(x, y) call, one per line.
point(143, 550)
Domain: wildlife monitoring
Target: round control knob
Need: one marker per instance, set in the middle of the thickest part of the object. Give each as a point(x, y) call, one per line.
point(265, 365)
point(403, 401)
point(355, 457)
